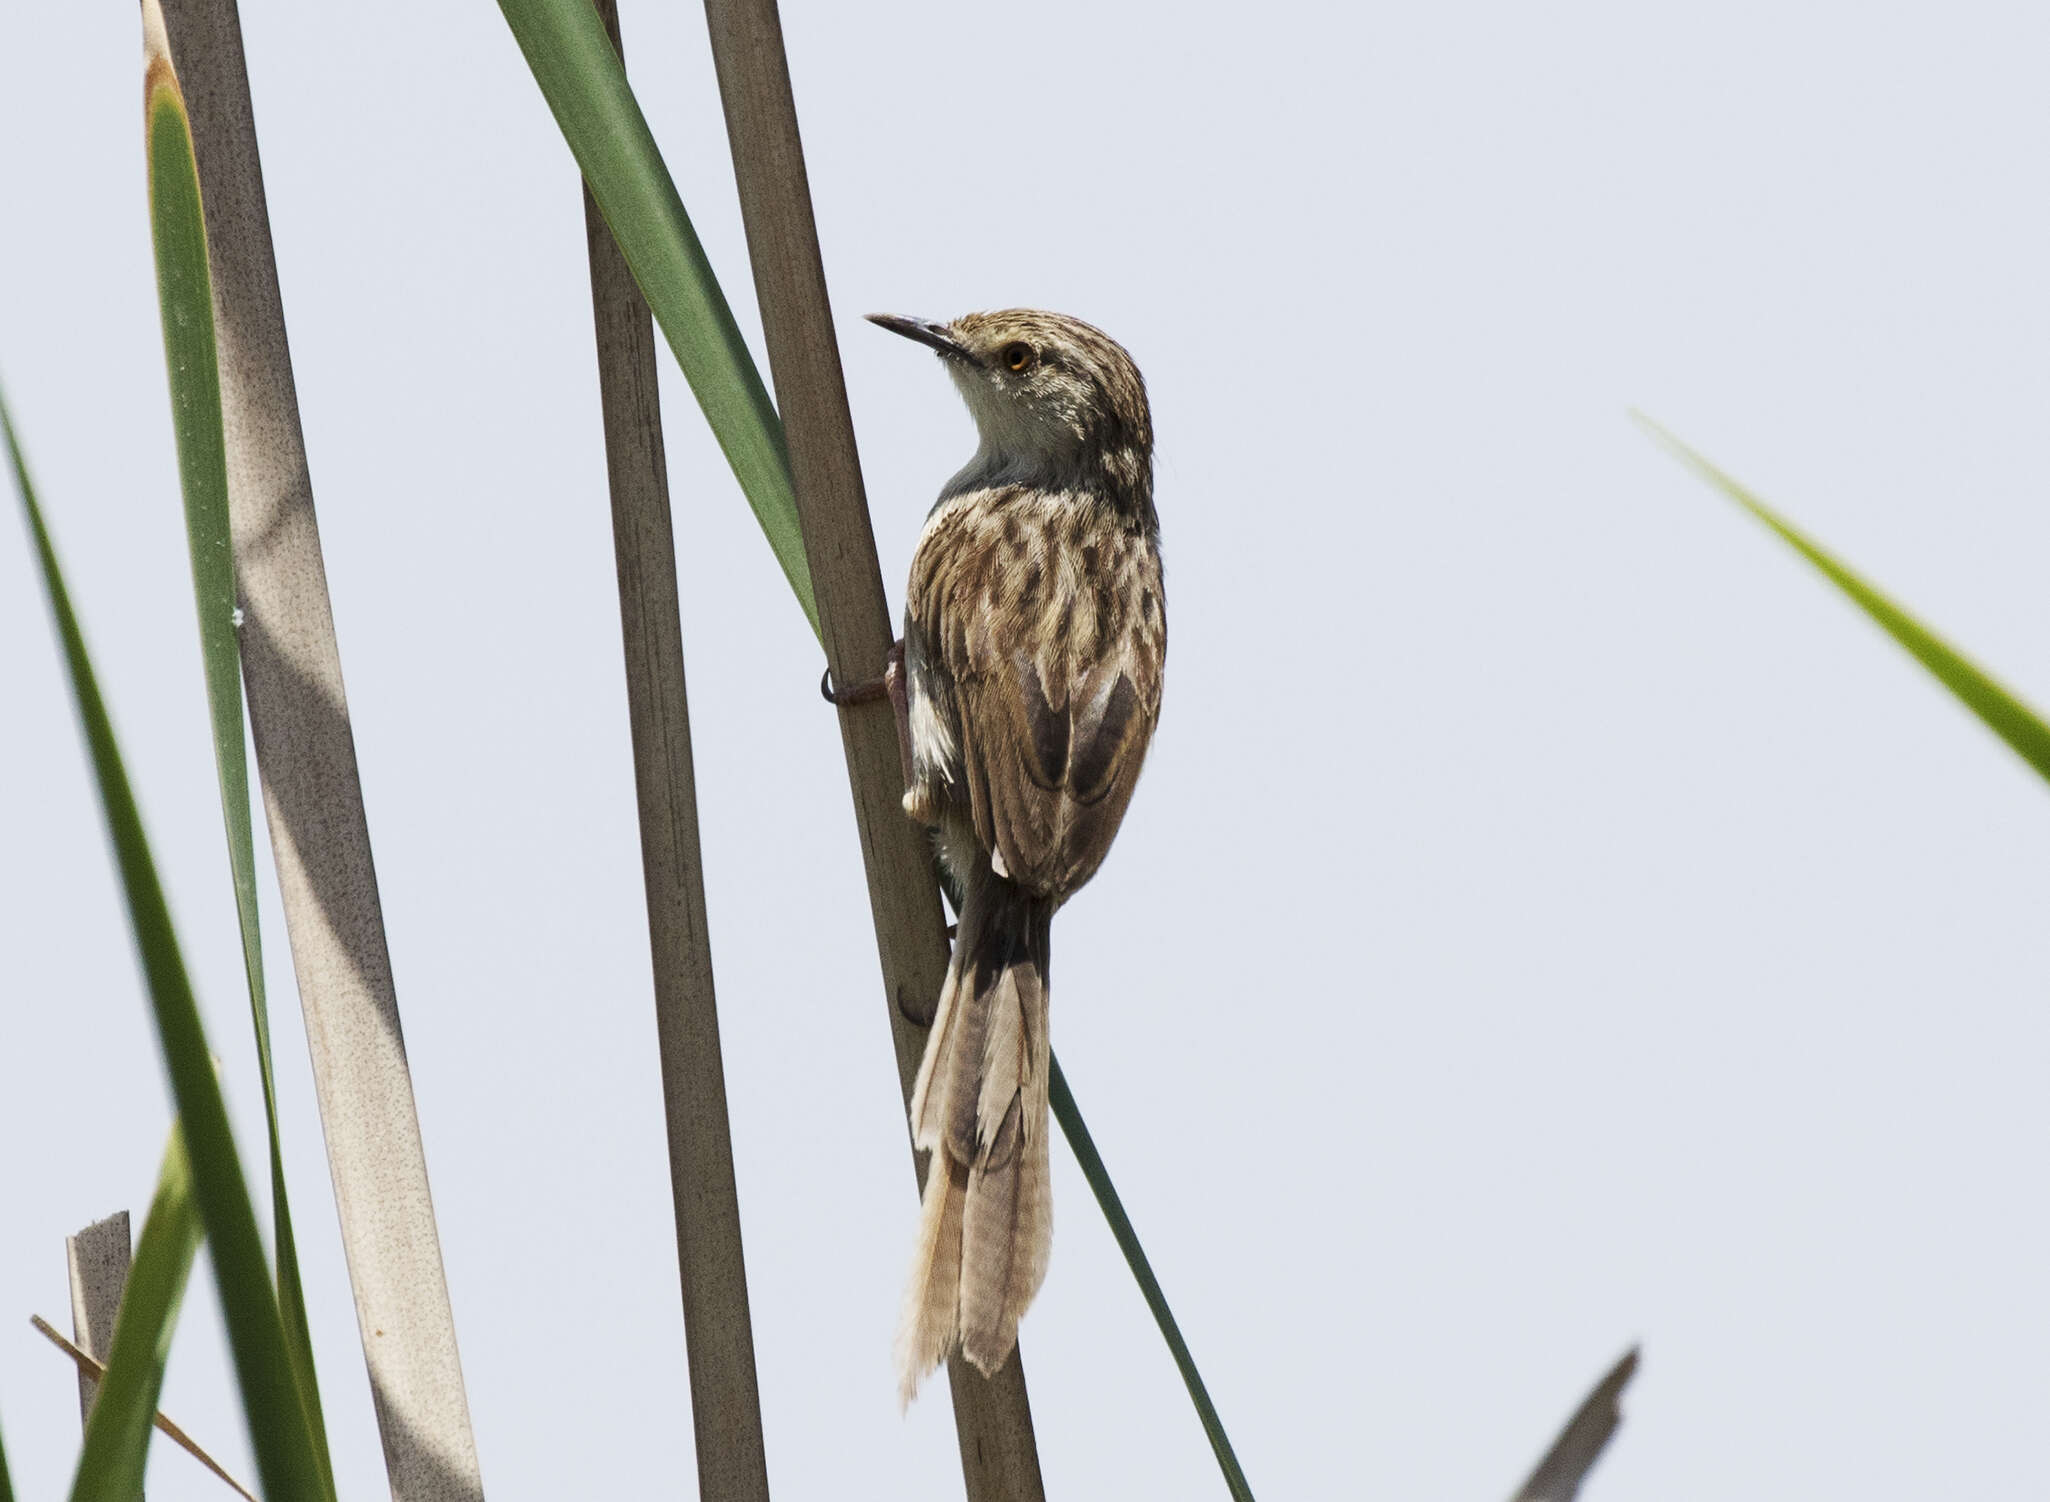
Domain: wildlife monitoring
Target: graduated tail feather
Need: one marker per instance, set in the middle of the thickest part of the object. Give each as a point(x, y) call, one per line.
point(980, 1108)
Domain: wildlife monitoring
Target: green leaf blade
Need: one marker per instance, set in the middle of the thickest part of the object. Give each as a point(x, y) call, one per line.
point(278, 1426)
point(1077, 1132)
point(117, 1435)
point(585, 85)
point(185, 300)
point(2000, 708)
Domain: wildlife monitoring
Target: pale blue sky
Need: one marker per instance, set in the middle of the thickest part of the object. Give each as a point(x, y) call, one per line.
point(1550, 919)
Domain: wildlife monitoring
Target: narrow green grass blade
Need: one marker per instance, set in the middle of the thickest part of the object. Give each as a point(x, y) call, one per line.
point(124, 1411)
point(185, 298)
point(1070, 1117)
point(6, 1485)
point(279, 1431)
point(2004, 713)
point(585, 85)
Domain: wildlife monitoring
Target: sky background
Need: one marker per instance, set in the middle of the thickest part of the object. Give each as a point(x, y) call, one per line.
point(1551, 919)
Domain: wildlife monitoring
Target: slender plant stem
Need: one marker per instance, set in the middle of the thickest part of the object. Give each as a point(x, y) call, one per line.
point(992, 1415)
point(98, 1257)
point(91, 1370)
point(313, 803)
point(1557, 1477)
point(718, 1330)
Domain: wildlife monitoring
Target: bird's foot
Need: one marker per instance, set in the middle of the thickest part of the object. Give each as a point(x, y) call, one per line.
point(860, 693)
point(889, 684)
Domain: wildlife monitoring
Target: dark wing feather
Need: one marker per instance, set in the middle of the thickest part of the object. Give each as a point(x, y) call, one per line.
point(1044, 616)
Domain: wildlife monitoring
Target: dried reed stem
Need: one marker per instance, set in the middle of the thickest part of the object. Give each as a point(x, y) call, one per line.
point(97, 1259)
point(999, 1456)
point(313, 798)
point(719, 1336)
point(91, 1369)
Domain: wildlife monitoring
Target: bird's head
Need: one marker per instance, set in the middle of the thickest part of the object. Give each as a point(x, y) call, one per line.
point(1056, 401)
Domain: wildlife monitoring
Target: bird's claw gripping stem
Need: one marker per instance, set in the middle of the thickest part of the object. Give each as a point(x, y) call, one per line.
point(890, 685)
point(861, 693)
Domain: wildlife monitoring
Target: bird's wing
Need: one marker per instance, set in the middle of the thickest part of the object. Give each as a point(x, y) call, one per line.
point(1045, 620)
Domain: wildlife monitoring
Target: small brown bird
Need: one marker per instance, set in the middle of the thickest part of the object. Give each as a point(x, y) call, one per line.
point(1035, 632)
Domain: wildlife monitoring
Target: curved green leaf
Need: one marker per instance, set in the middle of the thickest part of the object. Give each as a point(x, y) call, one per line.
point(1998, 706)
point(585, 85)
point(185, 298)
point(124, 1411)
point(279, 1430)
point(1070, 1117)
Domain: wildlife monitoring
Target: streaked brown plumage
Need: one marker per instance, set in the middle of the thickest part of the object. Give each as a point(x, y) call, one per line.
point(1035, 631)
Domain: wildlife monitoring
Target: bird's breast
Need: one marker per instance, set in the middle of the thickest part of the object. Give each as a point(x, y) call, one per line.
point(1062, 578)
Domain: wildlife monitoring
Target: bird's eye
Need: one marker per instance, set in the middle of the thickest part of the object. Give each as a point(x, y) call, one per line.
point(1017, 356)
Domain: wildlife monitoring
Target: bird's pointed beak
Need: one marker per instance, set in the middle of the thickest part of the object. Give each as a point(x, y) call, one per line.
point(934, 335)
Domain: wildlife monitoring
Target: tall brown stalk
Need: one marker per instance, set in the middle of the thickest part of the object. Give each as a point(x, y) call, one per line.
point(999, 1455)
point(719, 1335)
point(313, 800)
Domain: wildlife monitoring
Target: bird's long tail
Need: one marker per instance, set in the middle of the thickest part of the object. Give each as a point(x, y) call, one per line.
point(980, 1108)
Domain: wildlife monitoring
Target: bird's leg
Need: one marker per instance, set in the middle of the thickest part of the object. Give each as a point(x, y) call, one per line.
point(891, 685)
point(897, 685)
